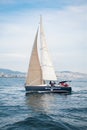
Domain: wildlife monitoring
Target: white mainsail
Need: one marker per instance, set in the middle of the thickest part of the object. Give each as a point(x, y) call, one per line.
point(34, 75)
point(48, 72)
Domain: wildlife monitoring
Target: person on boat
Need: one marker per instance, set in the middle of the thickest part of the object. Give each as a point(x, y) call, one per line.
point(64, 84)
point(51, 83)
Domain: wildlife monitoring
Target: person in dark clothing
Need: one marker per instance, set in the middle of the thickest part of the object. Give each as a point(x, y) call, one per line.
point(52, 83)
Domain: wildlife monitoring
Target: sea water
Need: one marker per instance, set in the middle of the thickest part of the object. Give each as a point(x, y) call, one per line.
point(19, 111)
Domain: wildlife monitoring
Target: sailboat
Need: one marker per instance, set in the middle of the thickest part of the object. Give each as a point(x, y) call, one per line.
point(41, 76)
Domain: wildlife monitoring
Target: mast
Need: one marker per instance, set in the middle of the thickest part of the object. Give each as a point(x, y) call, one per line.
point(34, 75)
point(48, 72)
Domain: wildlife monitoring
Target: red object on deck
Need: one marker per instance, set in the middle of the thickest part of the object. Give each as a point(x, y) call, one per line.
point(64, 84)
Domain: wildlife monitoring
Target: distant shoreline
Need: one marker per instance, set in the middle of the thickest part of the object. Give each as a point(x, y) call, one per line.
point(61, 75)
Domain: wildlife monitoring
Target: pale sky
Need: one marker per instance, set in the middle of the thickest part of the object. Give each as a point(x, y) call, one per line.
point(65, 26)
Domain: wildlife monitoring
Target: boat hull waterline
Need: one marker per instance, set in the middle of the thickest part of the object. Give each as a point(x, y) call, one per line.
point(47, 89)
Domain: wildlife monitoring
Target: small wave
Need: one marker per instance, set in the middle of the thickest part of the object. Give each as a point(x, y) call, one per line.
point(75, 110)
point(41, 122)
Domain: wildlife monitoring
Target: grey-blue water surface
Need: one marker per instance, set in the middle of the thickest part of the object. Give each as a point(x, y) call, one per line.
point(19, 111)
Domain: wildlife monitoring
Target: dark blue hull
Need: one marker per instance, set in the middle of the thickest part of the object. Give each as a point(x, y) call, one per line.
point(48, 89)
